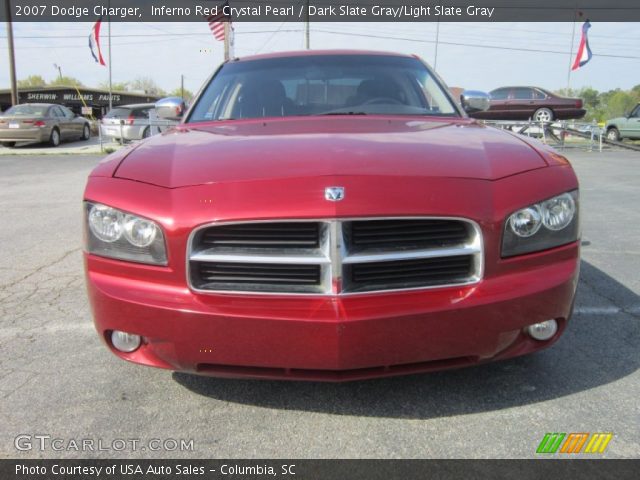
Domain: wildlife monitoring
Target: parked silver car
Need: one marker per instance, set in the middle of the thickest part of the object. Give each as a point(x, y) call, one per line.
point(41, 122)
point(133, 122)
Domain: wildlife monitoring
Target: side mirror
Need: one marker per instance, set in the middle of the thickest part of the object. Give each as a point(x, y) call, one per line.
point(473, 101)
point(170, 108)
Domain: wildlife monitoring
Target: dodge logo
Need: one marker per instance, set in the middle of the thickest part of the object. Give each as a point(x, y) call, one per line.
point(334, 194)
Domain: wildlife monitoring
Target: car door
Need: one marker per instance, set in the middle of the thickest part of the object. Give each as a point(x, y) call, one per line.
point(74, 123)
point(498, 103)
point(539, 100)
point(522, 103)
point(631, 128)
point(61, 122)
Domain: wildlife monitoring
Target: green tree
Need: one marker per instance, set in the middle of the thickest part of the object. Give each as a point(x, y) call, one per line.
point(188, 94)
point(148, 86)
point(65, 81)
point(116, 87)
point(32, 81)
point(619, 103)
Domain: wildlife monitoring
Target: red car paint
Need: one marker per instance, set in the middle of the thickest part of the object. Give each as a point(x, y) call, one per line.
point(391, 166)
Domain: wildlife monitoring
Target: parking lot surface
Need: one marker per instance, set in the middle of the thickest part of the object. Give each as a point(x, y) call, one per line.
point(58, 380)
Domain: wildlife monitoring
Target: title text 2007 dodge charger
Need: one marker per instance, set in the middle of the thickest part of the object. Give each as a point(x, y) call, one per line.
point(330, 216)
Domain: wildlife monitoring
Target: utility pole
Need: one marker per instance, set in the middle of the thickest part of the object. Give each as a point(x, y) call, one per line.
point(182, 86)
point(307, 36)
point(12, 57)
point(573, 35)
point(59, 68)
point(110, 83)
point(227, 34)
point(435, 57)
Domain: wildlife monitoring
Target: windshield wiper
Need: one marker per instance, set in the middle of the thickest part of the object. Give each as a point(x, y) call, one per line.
point(342, 113)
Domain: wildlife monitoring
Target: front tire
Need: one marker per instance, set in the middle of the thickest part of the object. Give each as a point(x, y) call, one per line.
point(86, 132)
point(54, 138)
point(9, 144)
point(613, 134)
point(543, 115)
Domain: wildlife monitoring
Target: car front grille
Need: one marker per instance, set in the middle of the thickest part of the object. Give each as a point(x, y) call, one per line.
point(333, 257)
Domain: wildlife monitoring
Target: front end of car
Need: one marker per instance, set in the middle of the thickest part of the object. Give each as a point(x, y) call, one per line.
point(332, 278)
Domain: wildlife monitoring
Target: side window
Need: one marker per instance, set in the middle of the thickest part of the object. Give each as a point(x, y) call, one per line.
point(66, 112)
point(522, 93)
point(141, 113)
point(636, 112)
point(57, 112)
point(500, 94)
point(538, 95)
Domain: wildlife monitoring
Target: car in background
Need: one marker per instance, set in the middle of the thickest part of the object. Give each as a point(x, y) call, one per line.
point(330, 215)
point(535, 103)
point(40, 123)
point(132, 122)
point(624, 127)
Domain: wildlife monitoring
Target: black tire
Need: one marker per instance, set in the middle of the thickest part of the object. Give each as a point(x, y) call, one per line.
point(613, 134)
point(9, 144)
point(146, 133)
point(86, 132)
point(54, 138)
point(543, 115)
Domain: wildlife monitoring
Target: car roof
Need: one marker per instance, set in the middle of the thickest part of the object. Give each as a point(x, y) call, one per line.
point(37, 104)
point(520, 86)
point(136, 105)
point(310, 53)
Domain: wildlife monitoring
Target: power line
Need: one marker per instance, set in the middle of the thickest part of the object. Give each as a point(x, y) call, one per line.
point(460, 44)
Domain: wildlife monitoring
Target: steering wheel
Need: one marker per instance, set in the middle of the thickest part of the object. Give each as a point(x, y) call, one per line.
point(382, 100)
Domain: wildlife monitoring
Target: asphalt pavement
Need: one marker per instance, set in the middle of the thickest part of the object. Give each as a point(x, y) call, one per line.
point(58, 381)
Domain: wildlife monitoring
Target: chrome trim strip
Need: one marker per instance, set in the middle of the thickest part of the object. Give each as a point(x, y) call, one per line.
point(333, 253)
point(253, 258)
point(409, 255)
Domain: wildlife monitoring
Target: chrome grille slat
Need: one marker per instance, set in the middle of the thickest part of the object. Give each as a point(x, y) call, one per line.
point(334, 256)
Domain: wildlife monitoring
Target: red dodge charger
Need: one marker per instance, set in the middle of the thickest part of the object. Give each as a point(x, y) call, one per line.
point(330, 215)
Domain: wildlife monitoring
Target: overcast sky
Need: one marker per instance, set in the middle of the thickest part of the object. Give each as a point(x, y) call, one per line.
point(486, 55)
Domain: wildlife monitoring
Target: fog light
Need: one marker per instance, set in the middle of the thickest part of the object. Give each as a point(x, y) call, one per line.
point(543, 330)
point(125, 342)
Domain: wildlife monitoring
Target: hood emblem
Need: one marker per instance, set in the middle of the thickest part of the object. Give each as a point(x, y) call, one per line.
point(334, 194)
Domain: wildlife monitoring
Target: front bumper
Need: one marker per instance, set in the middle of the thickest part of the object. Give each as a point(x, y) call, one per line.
point(334, 338)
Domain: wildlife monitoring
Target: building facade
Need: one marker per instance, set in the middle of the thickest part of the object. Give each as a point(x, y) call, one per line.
point(75, 99)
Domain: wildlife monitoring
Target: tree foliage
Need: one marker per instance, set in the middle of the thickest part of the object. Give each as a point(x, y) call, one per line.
point(32, 81)
point(65, 81)
point(115, 86)
point(188, 94)
point(602, 106)
point(147, 85)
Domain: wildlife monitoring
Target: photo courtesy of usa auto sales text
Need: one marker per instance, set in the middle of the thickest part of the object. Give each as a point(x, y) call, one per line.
point(136, 469)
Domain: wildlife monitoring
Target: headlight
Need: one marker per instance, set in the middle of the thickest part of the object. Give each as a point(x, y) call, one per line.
point(544, 225)
point(117, 234)
point(105, 223)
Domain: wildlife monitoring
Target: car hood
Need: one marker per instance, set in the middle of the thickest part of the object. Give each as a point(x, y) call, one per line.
point(616, 120)
point(233, 151)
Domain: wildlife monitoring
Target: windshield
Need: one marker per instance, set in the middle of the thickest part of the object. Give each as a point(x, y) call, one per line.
point(27, 110)
point(322, 85)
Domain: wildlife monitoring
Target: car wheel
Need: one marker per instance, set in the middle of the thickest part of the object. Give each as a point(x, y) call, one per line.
point(86, 132)
point(613, 134)
point(543, 115)
point(54, 139)
point(9, 144)
point(146, 133)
